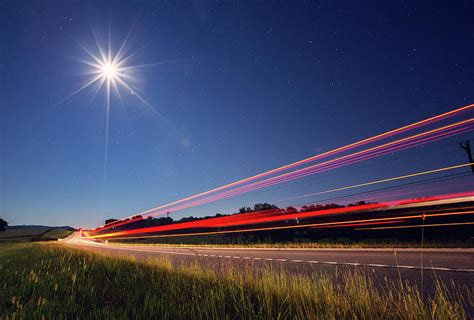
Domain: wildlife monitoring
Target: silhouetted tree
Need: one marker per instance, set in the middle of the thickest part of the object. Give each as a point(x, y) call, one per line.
point(264, 206)
point(188, 219)
point(3, 225)
point(162, 221)
point(245, 210)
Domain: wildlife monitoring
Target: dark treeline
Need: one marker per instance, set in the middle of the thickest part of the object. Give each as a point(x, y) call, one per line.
point(339, 234)
point(141, 222)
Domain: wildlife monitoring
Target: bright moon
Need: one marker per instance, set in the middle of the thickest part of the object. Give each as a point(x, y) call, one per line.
point(109, 71)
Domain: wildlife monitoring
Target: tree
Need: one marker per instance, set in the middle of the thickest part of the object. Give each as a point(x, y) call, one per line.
point(245, 210)
point(264, 206)
point(3, 225)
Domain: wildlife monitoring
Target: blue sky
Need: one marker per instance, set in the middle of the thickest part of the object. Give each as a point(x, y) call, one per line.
point(254, 85)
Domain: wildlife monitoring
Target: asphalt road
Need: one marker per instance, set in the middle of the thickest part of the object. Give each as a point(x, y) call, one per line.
point(448, 265)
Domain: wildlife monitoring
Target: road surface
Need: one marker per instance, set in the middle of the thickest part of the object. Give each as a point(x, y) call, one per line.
point(456, 265)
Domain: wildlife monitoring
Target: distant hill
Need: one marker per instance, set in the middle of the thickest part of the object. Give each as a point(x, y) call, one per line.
point(28, 233)
point(33, 226)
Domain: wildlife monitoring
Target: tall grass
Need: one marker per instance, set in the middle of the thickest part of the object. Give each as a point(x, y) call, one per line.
point(48, 281)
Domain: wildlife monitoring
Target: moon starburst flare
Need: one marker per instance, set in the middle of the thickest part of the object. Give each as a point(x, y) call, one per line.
point(111, 72)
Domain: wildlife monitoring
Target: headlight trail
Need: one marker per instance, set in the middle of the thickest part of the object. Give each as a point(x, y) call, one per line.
point(397, 145)
point(385, 135)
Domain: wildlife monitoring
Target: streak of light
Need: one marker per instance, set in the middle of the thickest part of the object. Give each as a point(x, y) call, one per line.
point(391, 195)
point(319, 156)
point(291, 176)
point(318, 213)
point(411, 175)
point(327, 165)
point(357, 195)
point(362, 224)
point(266, 215)
point(418, 226)
point(419, 216)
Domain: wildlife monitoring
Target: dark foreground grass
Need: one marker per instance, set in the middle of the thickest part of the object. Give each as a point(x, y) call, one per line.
point(49, 281)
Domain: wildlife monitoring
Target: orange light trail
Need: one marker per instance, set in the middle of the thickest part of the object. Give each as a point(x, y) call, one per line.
point(418, 226)
point(409, 127)
point(362, 224)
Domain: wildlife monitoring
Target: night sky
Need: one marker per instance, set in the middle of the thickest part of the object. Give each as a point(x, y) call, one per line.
point(247, 86)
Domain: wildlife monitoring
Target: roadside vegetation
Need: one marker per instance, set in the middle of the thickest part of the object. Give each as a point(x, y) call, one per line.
point(50, 281)
point(219, 241)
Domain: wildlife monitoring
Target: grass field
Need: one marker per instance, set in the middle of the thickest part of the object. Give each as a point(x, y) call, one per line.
point(29, 233)
point(49, 281)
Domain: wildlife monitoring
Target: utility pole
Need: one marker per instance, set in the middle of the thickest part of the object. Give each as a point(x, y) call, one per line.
point(466, 146)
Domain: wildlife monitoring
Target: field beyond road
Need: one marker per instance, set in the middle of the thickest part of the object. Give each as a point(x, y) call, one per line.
point(53, 281)
point(34, 233)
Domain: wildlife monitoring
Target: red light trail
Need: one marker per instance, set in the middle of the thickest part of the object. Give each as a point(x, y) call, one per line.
point(270, 216)
point(406, 217)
